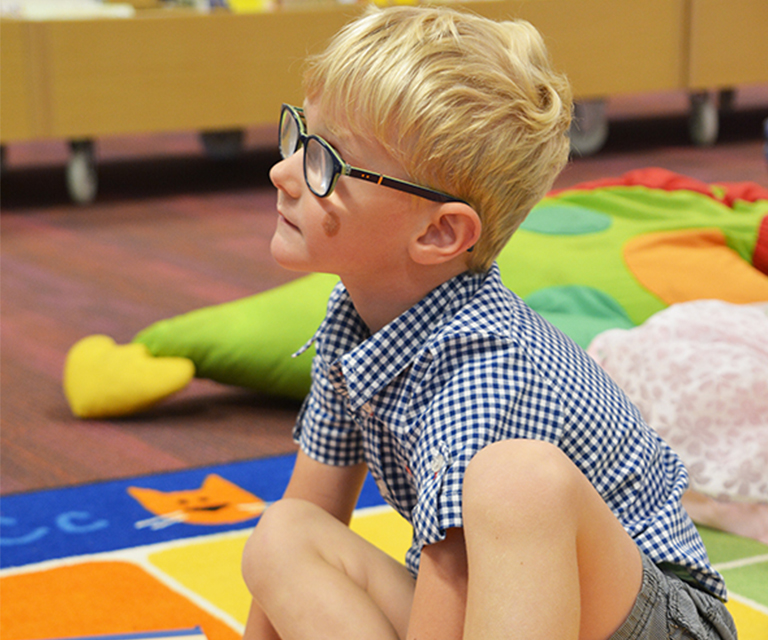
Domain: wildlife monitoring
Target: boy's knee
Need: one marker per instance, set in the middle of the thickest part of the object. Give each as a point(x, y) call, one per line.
point(278, 532)
point(514, 475)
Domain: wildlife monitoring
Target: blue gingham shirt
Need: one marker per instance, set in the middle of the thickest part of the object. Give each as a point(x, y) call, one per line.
point(470, 365)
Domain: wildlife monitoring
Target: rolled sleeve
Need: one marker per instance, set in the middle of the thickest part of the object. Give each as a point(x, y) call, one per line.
point(324, 429)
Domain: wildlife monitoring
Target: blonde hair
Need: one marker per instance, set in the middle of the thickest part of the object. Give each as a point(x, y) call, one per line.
point(465, 105)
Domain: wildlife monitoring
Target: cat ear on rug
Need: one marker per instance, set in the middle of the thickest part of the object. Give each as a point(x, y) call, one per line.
point(218, 501)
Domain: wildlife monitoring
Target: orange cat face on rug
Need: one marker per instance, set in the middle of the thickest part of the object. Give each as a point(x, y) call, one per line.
point(217, 501)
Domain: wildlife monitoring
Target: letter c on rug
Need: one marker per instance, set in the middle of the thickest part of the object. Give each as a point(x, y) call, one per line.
point(67, 522)
point(32, 536)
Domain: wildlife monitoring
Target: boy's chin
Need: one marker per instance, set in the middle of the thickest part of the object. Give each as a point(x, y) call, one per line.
point(287, 259)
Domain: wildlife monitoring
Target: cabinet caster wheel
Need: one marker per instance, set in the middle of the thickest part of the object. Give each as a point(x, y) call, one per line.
point(223, 145)
point(589, 128)
point(727, 99)
point(703, 121)
point(82, 182)
point(765, 132)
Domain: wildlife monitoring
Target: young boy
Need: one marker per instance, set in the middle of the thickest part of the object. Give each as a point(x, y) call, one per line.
point(542, 505)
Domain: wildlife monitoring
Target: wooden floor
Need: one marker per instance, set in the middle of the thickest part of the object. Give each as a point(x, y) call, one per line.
point(172, 231)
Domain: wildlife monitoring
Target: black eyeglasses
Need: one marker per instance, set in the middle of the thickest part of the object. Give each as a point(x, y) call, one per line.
point(323, 165)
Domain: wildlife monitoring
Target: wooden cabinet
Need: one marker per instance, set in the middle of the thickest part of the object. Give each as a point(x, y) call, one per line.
point(173, 70)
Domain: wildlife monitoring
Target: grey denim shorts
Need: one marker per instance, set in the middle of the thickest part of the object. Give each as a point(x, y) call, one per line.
point(668, 608)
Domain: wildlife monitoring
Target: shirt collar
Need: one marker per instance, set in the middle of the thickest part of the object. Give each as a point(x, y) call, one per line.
point(341, 330)
point(370, 362)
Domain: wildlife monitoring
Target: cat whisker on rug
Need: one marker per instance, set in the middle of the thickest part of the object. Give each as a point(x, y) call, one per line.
point(162, 521)
point(254, 508)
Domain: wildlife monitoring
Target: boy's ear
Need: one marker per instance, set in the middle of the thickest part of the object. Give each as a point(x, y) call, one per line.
point(452, 230)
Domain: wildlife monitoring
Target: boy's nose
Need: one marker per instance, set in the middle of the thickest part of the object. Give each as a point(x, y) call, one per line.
point(288, 174)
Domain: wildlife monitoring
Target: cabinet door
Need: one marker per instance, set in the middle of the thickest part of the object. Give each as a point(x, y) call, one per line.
point(21, 98)
point(729, 43)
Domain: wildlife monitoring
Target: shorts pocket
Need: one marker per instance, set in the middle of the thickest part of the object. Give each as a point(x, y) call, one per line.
point(695, 615)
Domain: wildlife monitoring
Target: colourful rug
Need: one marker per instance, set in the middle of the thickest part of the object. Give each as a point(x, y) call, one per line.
point(163, 552)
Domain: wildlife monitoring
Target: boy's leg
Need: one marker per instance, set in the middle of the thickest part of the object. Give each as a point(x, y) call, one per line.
point(547, 558)
point(315, 578)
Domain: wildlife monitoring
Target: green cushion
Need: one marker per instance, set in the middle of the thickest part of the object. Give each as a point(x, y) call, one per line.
point(249, 342)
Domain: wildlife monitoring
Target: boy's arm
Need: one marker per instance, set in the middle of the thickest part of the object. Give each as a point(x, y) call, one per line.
point(440, 600)
point(335, 489)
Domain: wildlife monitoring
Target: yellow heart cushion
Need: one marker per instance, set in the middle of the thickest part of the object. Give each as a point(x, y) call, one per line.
point(103, 379)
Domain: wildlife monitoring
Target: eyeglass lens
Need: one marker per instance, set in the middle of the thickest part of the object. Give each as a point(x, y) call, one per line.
point(289, 135)
point(318, 167)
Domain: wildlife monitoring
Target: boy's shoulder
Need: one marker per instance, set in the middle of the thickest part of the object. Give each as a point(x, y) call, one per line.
point(495, 312)
point(497, 334)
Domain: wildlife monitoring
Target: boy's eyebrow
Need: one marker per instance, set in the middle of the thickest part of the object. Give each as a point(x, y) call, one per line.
point(337, 144)
point(331, 140)
point(350, 158)
point(325, 135)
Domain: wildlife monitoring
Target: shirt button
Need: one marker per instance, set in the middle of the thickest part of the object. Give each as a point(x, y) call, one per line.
point(438, 462)
point(367, 408)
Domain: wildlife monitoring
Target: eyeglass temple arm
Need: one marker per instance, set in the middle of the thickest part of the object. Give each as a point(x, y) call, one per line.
point(400, 185)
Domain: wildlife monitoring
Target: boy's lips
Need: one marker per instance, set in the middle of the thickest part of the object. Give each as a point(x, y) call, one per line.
point(282, 218)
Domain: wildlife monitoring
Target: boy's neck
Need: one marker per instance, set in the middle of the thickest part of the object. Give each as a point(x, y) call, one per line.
point(392, 296)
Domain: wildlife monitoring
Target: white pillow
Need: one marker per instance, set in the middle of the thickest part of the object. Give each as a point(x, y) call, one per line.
point(698, 372)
